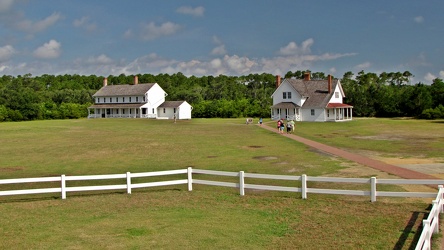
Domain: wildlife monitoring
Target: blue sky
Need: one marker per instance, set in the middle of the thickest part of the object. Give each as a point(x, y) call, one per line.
point(230, 37)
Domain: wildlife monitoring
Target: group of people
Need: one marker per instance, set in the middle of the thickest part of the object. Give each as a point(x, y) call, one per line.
point(281, 126)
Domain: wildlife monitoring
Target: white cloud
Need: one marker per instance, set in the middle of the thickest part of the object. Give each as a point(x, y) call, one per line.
point(332, 70)
point(6, 5)
point(150, 31)
point(429, 77)
point(293, 49)
point(128, 34)
point(419, 19)
point(219, 50)
point(6, 52)
point(85, 23)
point(197, 12)
point(49, 50)
point(363, 66)
point(101, 60)
point(35, 27)
point(441, 74)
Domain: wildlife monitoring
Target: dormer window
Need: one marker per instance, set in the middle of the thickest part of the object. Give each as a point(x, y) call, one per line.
point(336, 94)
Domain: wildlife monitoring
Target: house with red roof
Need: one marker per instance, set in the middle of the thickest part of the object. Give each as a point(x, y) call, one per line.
point(310, 100)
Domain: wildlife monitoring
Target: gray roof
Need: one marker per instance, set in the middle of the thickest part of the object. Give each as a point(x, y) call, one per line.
point(124, 90)
point(171, 104)
point(285, 105)
point(315, 90)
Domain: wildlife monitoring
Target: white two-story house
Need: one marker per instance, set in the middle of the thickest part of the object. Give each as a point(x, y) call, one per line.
point(137, 100)
point(310, 100)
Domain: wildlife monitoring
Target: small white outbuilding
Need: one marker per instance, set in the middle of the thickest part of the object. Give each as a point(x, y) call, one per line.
point(180, 110)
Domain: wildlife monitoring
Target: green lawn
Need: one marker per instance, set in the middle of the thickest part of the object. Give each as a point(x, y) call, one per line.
point(207, 217)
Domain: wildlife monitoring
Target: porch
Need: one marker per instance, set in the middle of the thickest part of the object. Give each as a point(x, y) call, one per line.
point(286, 111)
point(337, 112)
point(120, 111)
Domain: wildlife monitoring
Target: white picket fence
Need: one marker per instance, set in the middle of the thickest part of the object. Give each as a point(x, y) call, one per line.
point(431, 224)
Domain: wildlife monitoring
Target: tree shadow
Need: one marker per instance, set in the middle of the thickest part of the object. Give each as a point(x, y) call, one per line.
point(415, 219)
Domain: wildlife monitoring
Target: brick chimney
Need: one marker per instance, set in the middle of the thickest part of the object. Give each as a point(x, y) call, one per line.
point(307, 76)
point(136, 80)
point(278, 81)
point(105, 82)
point(329, 84)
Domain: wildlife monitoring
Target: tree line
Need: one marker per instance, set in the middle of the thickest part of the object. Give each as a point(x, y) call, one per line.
point(27, 97)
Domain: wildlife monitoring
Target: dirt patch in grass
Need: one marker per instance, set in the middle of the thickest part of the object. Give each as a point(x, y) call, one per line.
point(12, 169)
point(265, 158)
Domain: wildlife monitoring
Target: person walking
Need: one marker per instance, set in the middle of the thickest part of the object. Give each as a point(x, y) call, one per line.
point(292, 125)
point(282, 127)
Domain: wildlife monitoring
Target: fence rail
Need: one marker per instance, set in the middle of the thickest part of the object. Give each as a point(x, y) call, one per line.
point(430, 225)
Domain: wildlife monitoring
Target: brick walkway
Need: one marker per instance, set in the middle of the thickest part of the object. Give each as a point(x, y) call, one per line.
point(388, 168)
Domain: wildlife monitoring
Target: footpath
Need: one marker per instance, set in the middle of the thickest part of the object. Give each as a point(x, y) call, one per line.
point(382, 166)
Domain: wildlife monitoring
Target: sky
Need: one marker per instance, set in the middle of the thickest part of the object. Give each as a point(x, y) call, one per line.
point(229, 37)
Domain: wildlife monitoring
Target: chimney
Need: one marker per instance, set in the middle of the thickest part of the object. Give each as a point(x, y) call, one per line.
point(136, 80)
point(278, 81)
point(329, 84)
point(307, 76)
point(105, 82)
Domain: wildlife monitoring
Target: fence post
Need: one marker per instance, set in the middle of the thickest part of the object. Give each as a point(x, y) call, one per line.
point(304, 186)
point(436, 216)
point(441, 198)
point(190, 179)
point(128, 182)
point(426, 228)
point(63, 186)
point(373, 189)
point(241, 183)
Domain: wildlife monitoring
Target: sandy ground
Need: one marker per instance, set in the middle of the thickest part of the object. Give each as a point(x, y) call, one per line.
point(427, 166)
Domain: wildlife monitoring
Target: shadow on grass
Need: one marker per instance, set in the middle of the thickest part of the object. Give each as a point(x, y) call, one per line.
point(416, 218)
point(27, 198)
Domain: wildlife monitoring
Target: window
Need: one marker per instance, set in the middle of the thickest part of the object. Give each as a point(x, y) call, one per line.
point(104, 100)
point(130, 99)
point(312, 112)
point(123, 99)
point(137, 99)
point(336, 94)
point(284, 95)
point(143, 98)
point(110, 99)
point(117, 99)
point(153, 111)
point(164, 110)
point(98, 99)
point(289, 95)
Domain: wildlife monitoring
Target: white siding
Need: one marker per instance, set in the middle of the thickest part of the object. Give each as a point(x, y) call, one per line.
point(339, 97)
point(184, 111)
point(319, 115)
point(286, 87)
point(156, 96)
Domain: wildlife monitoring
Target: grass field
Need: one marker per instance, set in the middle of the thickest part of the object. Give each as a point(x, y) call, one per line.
point(208, 217)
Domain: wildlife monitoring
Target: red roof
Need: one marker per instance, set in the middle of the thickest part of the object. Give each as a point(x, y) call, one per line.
point(338, 105)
